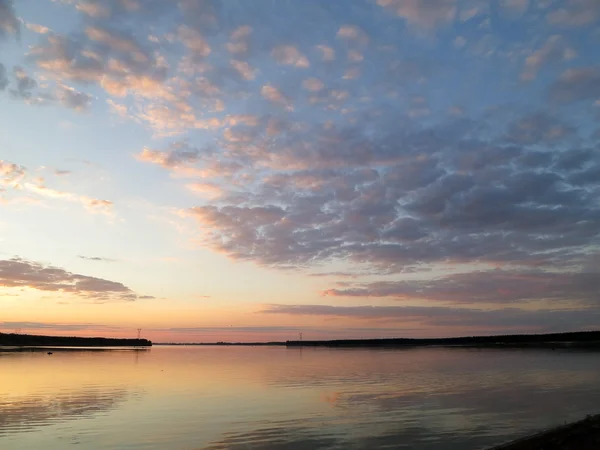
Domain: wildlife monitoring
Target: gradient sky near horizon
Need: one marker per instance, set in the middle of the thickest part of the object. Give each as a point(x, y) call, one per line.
point(251, 170)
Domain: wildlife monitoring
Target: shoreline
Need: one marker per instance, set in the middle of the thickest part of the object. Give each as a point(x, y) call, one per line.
point(581, 339)
point(44, 349)
point(583, 434)
point(14, 340)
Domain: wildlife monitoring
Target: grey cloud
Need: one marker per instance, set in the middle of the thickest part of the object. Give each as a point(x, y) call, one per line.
point(22, 273)
point(575, 13)
point(554, 50)
point(179, 154)
point(499, 286)
point(407, 197)
point(575, 159)
point(73, 99)
point(99, 55)
point(426, 15)
point(96, 258)
point(3, 77)
point(588, 177)
point(576, 84)
point(9, 24)
point(24, 83)
point(379, 189)
point(538, 129)
point(539, 320)
point(56, 326)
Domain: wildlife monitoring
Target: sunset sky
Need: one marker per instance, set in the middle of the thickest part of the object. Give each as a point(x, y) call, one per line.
point(248, 170)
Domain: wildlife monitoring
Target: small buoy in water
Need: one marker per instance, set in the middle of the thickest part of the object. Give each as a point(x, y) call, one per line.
point(49, 353)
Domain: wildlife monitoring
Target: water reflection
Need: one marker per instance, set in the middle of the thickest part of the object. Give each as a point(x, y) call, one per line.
point(275, 437)
point(212, 398)
point(24, 413)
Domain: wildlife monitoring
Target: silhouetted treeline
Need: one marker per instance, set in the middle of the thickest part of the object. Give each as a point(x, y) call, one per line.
point(31, 340)
point(582, 337)
point(243, 344)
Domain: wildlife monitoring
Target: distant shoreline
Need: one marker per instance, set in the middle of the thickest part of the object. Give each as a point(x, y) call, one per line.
point(14, 340)
point(570, 340)
point(579, 339)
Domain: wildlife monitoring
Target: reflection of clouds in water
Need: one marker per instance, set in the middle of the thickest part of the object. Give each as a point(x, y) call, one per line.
point(427, 370)
point(464, 394)
point(399, 435)
point(332, 398)
point(275, 437)
point(21, 414)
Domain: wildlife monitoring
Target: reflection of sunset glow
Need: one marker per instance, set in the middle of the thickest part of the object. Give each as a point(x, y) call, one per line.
point(197, 397)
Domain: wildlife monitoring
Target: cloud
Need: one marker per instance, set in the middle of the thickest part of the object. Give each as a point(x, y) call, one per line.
point(327, 53)
point(291, 56)
point(22, 183)
point(461, 318)
point(93, 205)
point(246, 71)
point(180, 154)
point(575, 13)
point(210, 190)
point(424, 14)
point(57, 326)
point(113, 59)
point(93, 9)
point(515, 7)
point(20, 273)
point(96, 258)
point(492, 287)
point(555, 50)
point(313, 84)
point(274, 95)
point(25, 84)
point(11, 174)
point(239, 43)
point(194, 41)
point(9, 24)
point(3, 77)
point(73, 99)
point(391, 199)
point(539, 128)
point(39, 29)
point(576, 84)
point(353, 34)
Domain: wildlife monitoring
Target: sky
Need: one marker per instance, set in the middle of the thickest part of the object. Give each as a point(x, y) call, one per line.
point(242, 170)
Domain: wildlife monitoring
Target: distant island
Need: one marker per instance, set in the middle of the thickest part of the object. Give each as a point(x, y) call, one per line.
point(579, 339)
point(31, 340)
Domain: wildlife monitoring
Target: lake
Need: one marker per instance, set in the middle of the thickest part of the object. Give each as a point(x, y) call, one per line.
point(273, 398)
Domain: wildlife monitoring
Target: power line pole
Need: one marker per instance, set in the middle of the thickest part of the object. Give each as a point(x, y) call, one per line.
point(139, 333)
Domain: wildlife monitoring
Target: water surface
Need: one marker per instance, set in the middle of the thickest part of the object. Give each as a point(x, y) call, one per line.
point(273, 398)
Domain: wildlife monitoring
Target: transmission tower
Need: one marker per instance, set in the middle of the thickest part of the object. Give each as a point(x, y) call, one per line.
point(139, 332)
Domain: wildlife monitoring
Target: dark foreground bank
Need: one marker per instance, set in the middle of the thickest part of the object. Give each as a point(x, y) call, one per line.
point(31, 340)
point(583, 339)
point(582, 435)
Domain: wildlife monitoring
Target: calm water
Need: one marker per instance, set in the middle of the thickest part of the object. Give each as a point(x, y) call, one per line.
point(221, 398)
